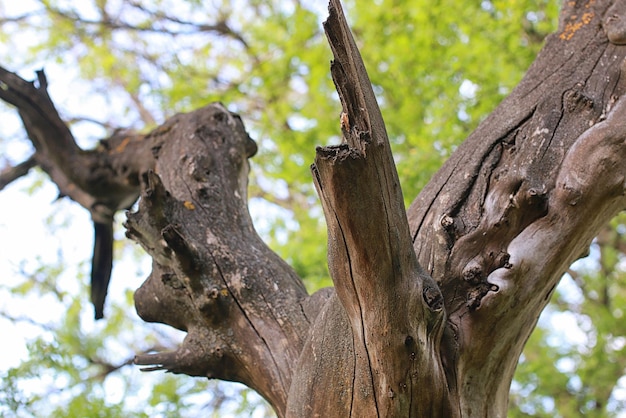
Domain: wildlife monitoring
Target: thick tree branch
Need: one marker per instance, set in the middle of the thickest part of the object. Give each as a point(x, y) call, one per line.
point(10, 174)
point(103, 180)
point(50, 135)
point(522, 197)
point(245, 311)
point(394, 309)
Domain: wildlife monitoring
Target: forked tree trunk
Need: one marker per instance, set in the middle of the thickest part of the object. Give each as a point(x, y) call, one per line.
point(430, 311)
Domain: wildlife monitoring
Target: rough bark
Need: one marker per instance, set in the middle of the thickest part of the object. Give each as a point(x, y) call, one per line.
point(241, 305)
point(432, 307)
point(387, 318)
point(522, 198)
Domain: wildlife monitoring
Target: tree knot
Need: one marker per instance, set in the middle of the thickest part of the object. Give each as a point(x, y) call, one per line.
point(433, 298)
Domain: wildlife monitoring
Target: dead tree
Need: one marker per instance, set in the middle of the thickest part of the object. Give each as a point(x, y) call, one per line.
point(431, 306)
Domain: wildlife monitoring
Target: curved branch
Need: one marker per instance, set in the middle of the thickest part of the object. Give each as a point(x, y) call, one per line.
point(10, 174)
point(221, 27)
point(521, 199)
point(103, 180)
point(244, 309)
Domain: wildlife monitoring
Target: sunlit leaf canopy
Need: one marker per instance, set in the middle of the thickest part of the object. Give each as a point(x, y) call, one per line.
point(438, 68)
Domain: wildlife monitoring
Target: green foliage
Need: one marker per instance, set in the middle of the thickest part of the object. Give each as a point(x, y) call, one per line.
point(439, 73)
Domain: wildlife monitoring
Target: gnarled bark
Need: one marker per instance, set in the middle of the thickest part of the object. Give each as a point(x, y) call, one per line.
point(213, 276)
point(523, 196)
point(495, 228)
point(431, 308)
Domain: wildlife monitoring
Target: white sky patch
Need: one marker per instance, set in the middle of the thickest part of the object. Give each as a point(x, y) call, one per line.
point(26, 239)
point(468, 90)
point(565, 328)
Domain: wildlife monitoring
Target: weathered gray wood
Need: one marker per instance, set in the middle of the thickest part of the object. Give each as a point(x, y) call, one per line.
point(384, 362)
point(430, 311)
point(213, 277)
point(522, 197)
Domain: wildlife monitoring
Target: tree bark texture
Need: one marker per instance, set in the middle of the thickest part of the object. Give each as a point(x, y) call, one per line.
point(522, 198)
point(394, 310)
point(431, 307)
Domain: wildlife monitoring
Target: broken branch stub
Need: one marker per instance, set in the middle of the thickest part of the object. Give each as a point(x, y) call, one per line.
point(394, 310)
point(212, 274)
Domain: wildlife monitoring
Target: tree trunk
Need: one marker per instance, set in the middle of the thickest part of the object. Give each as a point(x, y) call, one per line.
point(431, 307)
point(522, 198)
